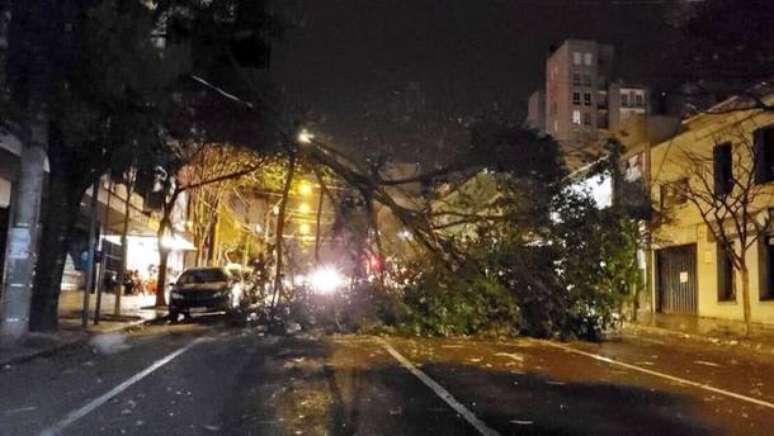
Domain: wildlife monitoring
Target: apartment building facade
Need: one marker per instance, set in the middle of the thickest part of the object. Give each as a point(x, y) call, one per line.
point(581, 103)
point(690, 273)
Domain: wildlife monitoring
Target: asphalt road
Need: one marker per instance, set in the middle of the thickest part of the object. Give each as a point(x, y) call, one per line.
point(208, 377)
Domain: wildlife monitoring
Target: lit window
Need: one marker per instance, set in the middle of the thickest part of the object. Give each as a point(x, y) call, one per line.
point(577, 58)
point(576, 117)
point(587, 59)
point(576, 98)
point(587, 98)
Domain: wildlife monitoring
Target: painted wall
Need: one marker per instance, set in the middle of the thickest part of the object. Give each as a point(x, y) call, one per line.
point(670, 163)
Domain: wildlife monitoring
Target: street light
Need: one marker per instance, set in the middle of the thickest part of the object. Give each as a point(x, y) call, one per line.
point(305, 137)
point(303, 208)
point(305, 189)
point(304, 228)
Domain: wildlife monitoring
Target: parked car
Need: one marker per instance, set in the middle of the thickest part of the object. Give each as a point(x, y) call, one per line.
point(204, 290)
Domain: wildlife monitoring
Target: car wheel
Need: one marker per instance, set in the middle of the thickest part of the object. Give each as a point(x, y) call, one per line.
point(174, 316)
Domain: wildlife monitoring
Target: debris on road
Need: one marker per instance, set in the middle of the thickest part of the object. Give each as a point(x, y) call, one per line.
point(109, 343)
point(513, 356)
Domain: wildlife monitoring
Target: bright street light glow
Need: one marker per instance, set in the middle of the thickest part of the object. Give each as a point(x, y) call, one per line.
point(304, 228)
point(326, 280)
point(305, 189)
point(303, 208)
point(305, 137)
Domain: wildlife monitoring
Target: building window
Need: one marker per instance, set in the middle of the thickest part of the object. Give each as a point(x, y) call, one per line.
point(576, 79)
point(722, 166)
point(587, 98)
point(767, 269)
point(587, 80)
point(673, 193)
point(639, 100)
point(576, 117)
point(726, 290)
point(763, 140)
point(576, 58)
point(587, 59)
point(576, 98)
point(586, 119)
point(625, 99)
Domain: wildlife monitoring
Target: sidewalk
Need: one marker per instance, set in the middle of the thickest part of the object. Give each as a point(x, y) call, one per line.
point(135, 310)
point(709, 330)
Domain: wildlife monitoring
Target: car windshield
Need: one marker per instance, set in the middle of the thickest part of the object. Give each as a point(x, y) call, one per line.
point(202, 276)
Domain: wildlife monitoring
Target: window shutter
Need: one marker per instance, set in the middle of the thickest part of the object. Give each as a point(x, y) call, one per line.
point(759, 154)
point(717, 170)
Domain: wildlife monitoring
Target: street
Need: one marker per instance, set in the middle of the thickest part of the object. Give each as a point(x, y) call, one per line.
point(210, 377)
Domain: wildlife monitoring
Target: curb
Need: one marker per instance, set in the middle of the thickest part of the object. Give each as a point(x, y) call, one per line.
point(741, 342)
point(34, 354)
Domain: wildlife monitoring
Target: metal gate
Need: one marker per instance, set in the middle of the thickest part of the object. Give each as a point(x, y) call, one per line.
point(677, 280)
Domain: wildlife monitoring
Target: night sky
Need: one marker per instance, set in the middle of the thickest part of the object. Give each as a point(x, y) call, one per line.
point(346, 54)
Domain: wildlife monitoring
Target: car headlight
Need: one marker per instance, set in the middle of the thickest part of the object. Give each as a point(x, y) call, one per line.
point(176, 295)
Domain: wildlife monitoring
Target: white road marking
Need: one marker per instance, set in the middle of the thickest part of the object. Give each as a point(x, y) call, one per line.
point(20, 410)
point(669, 377)
point(706, 363)
point(441, 392)
point(89, 407)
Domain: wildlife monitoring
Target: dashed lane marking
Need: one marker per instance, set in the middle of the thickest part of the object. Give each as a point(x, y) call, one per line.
point(440, 391)
point(89, 407)
point(663, 375)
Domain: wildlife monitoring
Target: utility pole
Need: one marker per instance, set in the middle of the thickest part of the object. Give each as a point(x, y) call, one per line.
point(21, 250)
point(90, 256)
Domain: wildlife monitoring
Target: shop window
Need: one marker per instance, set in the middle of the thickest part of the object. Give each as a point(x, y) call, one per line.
point(726, 290)
point(763, 140)
point(723, 173)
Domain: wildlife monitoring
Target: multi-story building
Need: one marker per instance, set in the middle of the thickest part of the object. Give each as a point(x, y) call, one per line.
point(625, 101)
point(581, 104)
point(536, 111)
point(577, 77)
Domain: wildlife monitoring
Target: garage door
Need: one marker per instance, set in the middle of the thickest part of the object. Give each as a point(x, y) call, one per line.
point(677, 280)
